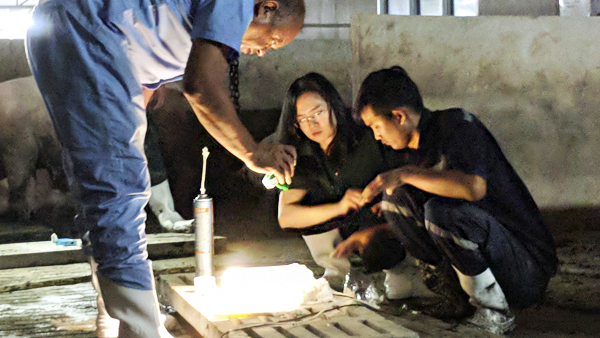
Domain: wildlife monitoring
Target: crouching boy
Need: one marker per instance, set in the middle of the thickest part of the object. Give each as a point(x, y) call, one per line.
point(479, 216)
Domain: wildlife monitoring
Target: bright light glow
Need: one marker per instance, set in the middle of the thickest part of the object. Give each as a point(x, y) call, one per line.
point(434, 7)
point(466, 7)
point(14, 22)
point(268, 289)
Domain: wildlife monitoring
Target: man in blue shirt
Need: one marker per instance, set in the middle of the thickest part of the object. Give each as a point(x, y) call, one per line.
point(478, 215)
point(96, 64)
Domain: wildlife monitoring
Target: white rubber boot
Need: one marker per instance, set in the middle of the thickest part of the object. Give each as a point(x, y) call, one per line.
point(137, 310)
point(493, 313)
point(397, 283)
point(321, 248)
point(162, 205)
point(106, 326)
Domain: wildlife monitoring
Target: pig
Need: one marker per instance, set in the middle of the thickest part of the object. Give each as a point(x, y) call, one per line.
point(33, 183)
point(28, 144)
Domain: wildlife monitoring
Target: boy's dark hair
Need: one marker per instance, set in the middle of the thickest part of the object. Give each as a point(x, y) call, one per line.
point(347, 131)
point(385, 90)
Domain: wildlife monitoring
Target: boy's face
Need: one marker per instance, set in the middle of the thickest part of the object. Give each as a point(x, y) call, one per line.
point(389, 132)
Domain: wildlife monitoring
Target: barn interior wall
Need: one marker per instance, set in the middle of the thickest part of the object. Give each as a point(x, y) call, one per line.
point(534, 79)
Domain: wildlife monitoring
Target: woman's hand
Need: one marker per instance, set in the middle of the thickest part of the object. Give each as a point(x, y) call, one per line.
point(351, 201)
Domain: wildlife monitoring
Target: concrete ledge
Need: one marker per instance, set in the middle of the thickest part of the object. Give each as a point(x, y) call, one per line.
point(20, 255)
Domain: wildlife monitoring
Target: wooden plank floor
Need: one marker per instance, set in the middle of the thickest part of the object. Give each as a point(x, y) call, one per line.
point(44, 253)
point(60, 311)
point(571, 309)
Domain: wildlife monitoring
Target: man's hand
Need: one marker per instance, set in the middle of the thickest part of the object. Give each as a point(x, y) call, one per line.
point(277, 159)
point(350, 201)
point(358, 241)
point(387, 181)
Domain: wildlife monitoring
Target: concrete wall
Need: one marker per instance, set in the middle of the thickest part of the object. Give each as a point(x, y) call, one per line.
point(518, 7)
point(264, 81)
point(13, 63)
point(323, 15)
point(534, 81)
point(323, 46)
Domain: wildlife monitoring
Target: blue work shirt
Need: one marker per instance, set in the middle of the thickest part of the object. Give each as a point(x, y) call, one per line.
point(160, 32)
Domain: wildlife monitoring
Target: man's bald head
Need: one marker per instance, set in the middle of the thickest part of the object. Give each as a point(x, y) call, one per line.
point(276, 23)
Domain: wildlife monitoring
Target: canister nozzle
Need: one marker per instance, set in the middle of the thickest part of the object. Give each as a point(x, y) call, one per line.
point(205, 154)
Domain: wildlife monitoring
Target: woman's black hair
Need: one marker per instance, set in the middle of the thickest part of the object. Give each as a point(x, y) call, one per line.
point(347, 131)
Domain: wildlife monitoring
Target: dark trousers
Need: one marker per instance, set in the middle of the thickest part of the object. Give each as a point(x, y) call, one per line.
point(433, 228)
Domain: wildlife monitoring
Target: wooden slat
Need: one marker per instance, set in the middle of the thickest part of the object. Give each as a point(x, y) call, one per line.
point(29, 278)
point(165, 245)
point(59, 312)
point(268, 332)
point(65, 311)
point(356, 327)
point(327, 329)
point(186, 310)
point(380, 322)
point(301, 332)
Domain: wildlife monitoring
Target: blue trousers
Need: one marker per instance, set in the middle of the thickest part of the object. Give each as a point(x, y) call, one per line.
point(433, 228)
point(81, 66)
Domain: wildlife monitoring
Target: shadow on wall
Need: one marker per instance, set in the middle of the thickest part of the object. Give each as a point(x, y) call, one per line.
point(569, 219)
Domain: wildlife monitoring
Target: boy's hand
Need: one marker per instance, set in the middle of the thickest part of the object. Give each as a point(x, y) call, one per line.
point(358, 241)
point(387, 181)
point(377, 209)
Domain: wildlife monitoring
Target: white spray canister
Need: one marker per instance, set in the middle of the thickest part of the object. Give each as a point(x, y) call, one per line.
point(204, 222)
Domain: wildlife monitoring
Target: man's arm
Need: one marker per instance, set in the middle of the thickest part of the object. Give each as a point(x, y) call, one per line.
point(447, 183)
point(147, 95)
point(208, 96)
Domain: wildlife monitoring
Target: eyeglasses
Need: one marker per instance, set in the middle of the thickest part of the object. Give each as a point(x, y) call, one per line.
point(311, 118)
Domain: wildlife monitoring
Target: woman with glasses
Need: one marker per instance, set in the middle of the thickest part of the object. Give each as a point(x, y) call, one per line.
point(336, 159)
